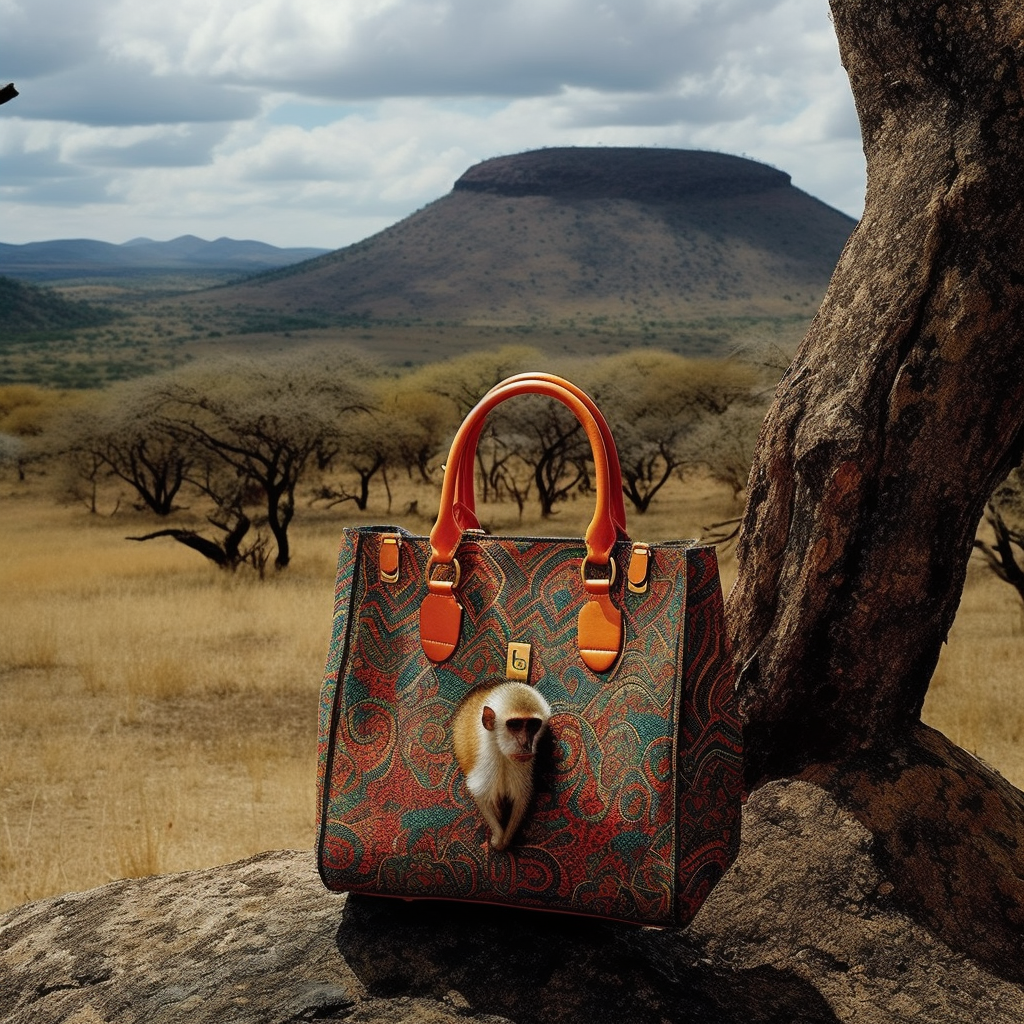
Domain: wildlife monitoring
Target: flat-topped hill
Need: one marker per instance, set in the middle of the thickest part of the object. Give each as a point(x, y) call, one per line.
point(564, 234)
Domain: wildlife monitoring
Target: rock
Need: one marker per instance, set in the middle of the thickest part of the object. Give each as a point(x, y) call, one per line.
point(804, 930)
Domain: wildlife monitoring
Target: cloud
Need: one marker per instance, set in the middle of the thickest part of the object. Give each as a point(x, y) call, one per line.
point(362, 49)
point(318, 121)
point(162, 146)
point(44, 37)
point(111, 92)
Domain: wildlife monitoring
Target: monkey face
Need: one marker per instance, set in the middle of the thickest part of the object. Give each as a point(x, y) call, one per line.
point(517, 737)
point(525, 732)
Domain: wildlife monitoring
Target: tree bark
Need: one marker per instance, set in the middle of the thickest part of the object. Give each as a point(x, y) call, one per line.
point(902, 411)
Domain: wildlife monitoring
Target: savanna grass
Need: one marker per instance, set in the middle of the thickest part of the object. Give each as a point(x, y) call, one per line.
point(158, 714)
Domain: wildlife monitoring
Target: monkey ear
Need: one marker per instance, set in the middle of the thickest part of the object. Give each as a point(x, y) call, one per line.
point(488, 718)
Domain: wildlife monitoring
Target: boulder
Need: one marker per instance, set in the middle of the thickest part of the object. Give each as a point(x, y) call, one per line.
point(804, 929)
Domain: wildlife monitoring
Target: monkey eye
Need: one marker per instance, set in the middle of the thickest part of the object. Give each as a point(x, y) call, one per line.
point(530, 725)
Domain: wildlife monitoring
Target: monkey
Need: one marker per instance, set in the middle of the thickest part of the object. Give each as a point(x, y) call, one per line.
point(495, 736)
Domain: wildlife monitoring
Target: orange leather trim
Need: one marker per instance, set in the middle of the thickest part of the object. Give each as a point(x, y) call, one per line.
point(440, 623)
point(600, 633)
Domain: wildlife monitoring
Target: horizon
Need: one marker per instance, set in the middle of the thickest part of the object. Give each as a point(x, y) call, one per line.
point(325, 124)
point(259, 241)
point(157, 241)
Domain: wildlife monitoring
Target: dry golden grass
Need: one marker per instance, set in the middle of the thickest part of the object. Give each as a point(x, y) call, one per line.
point(976, 695)
point(157, 714)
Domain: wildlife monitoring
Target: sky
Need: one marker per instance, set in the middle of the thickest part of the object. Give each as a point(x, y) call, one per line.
point(321, 122)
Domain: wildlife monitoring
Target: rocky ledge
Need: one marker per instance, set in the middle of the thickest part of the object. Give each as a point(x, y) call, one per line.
point(638, 173)
point(803, 930)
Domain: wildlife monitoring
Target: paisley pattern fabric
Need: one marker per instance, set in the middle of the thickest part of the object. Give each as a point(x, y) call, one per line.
point(637, 787)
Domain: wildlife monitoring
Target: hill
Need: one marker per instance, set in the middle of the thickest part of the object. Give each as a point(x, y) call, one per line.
point(573, 234)
point(27, 310)
point(80, 258)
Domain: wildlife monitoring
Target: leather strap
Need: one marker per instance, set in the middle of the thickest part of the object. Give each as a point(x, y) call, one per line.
point(600, 621)
point(602, 532)
point(465, 502)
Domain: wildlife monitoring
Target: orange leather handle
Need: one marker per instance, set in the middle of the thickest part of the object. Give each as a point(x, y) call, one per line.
point(465, 501)
point(604, 528)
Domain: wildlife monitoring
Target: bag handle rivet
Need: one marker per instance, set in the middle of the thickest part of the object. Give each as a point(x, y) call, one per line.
point(388, 559)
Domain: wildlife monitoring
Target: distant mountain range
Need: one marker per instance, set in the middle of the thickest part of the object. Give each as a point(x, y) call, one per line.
point(632, 235)
point(83, 257)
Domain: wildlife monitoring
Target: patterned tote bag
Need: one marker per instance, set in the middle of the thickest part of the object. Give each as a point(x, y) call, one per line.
point(622, 798)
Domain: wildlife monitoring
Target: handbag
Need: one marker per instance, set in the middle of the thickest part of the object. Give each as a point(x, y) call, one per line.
point(633, 807)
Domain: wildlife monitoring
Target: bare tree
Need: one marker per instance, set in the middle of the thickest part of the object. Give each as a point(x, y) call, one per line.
point(902, 411)
point(548, 440)
point(235, 543)
point(365, 451)
point(121, 433)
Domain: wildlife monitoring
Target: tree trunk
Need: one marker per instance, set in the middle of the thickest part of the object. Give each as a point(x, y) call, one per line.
point(902, 411)
point(280, 505)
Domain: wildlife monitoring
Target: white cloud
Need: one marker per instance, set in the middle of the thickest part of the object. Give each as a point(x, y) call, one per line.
point(320, 121)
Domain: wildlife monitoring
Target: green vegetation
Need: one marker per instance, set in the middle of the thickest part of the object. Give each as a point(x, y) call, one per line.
point(49, 339)
point(140, 337)
point(27, 311)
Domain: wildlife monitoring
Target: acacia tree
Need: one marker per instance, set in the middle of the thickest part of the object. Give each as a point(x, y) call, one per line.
point(234, 544)
point(27, 413)
point(417, 423)
point(465, 379)
point(902, 411)
point(462, 382)
point(549, 441)
point(666, 413)
point(256, 428)
point(121, 435)
point(402, 426)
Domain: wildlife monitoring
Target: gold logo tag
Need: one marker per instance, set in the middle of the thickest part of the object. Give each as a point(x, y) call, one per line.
point(517, 664)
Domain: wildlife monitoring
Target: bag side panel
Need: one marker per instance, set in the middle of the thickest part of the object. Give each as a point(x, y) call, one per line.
point(343, 600)
point(710, 766)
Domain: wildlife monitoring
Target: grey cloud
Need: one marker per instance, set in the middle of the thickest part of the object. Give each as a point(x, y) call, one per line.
point(507, 49)
point(652, 111)
point(109, 93)
point(29, 167)
point(61, 191)
point(43, 37)
point(190, 148)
